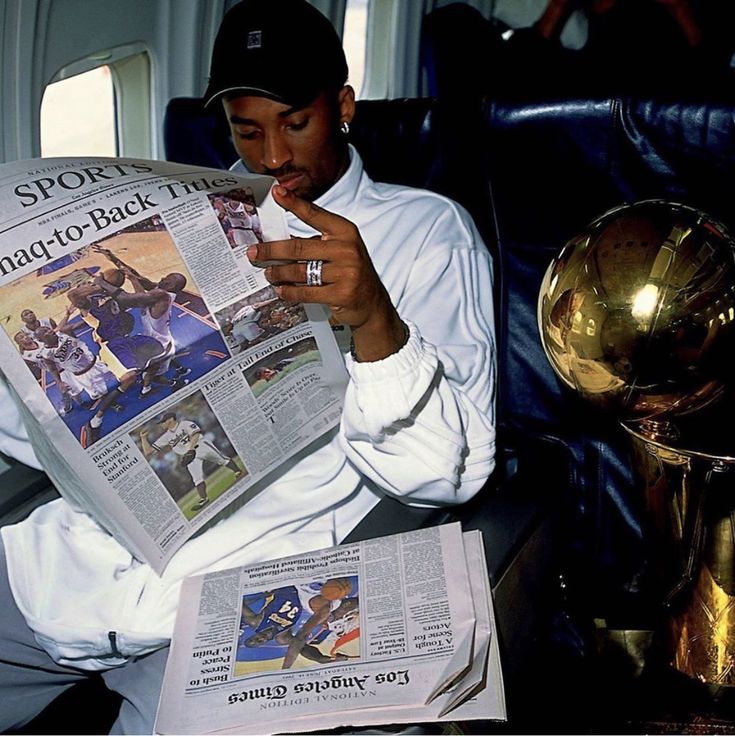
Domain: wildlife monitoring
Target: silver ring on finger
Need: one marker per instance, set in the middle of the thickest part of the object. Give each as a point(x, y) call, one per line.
point(314, 273)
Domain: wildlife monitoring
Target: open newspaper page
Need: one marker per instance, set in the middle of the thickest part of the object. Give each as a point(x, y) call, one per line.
point(144, 346)
point(375, 632)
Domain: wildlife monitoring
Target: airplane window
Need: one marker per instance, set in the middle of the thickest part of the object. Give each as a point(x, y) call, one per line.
point(354, 37)
point(78, 115)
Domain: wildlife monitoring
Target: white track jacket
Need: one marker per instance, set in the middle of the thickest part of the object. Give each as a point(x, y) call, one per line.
point(418, 425)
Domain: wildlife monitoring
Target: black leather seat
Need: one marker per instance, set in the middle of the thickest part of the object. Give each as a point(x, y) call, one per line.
point(197, 136)
point(553, 167)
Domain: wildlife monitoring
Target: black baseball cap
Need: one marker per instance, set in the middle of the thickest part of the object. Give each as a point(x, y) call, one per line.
point(285, 50)
point(168, 415)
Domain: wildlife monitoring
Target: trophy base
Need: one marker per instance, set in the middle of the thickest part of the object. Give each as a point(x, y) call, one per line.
point(643, 692)
point(670, 701)
point(702, 634)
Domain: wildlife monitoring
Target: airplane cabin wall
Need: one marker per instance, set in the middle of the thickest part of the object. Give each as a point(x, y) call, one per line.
point(42, 37)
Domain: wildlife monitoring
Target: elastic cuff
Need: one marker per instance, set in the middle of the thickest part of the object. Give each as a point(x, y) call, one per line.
point(387, 391)
point(394, 366)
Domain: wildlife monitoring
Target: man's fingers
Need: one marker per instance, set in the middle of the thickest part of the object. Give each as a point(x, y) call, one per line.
point(320, 219)
point(306, 294)
point(286, 251)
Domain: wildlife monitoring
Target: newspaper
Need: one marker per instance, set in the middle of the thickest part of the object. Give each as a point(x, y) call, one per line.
point(396, 629)
point(158, 361)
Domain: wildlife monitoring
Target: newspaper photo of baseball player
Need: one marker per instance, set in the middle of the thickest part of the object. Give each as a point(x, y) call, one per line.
point(112, 329)
point(268, 371)
point(256, 318)
point(238, 216)
point(190, 453)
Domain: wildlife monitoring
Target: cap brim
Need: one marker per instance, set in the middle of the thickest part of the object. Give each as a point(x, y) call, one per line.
point(211, 95)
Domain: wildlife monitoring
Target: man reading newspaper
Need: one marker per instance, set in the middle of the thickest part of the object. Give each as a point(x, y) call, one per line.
point(405, 269)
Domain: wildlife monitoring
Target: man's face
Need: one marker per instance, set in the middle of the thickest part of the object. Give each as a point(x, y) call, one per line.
point(298, 146)
point(47, 336)
point(171, 282)
point(28, 317)
point(25, 342)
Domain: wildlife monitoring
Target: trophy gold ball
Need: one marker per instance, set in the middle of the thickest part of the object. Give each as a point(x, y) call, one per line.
point(637, 311)
point(637, 315)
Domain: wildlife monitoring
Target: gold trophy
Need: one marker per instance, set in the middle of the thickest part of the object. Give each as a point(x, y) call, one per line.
point(637, 315)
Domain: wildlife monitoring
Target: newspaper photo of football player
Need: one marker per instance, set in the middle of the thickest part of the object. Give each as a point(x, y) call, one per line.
point(114, 330)
point(190, 453)
point(268, 371)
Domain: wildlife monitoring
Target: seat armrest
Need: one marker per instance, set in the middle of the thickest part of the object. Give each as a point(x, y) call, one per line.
point(24, 488)
point(390, 516)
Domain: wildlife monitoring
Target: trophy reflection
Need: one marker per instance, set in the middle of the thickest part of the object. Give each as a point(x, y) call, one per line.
point(637, 315)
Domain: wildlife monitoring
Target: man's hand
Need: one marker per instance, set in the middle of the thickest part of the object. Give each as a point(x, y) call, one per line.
point(350, 285)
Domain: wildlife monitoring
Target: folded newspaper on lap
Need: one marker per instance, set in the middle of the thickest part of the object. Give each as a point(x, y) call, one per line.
point(397, 629)
point(160, 366)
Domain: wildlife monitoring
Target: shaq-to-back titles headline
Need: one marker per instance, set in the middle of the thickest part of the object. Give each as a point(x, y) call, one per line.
point(96, 219)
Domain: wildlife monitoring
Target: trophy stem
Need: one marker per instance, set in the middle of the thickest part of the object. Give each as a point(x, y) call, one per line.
point(691, 507)
point(661, 431)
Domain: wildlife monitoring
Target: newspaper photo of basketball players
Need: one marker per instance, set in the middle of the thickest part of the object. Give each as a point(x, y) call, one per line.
point(298, 625)
point(129, 314)
point(237, 213)
point(112, 329)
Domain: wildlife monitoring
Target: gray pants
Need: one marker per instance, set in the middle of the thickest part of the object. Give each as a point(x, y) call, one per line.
point(30, 679)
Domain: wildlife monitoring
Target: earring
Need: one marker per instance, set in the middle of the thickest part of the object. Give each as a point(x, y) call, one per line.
point(345, 128)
